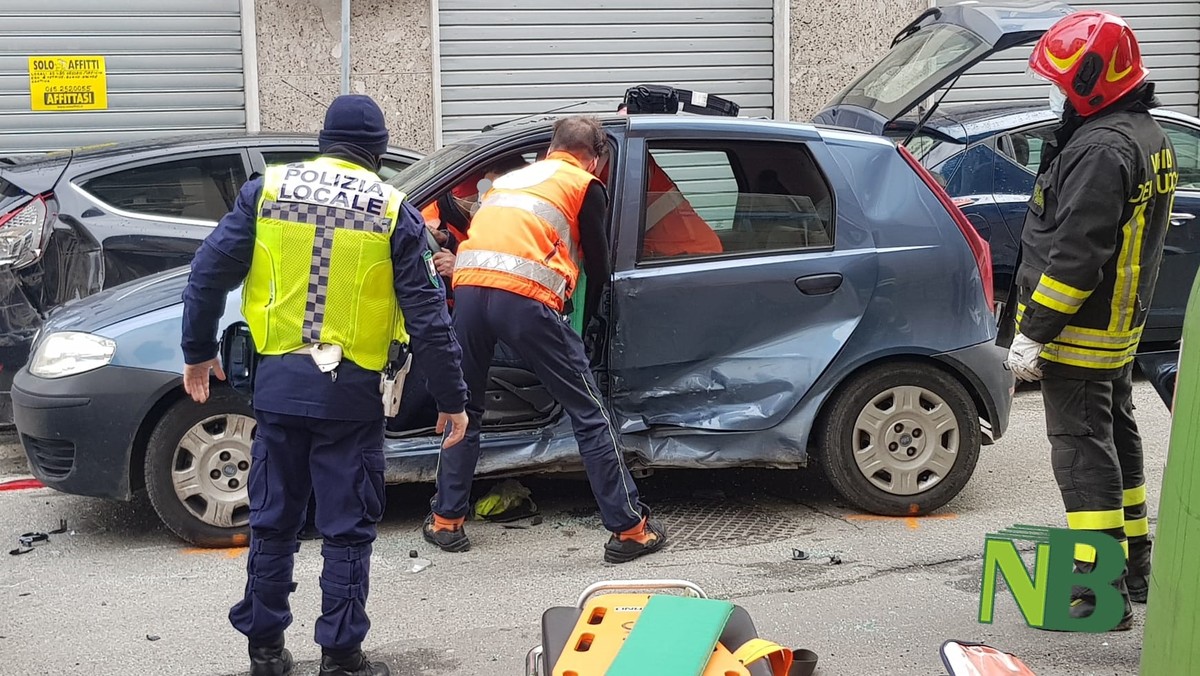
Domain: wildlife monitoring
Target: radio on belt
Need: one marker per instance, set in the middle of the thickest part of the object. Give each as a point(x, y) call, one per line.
point(666, 100)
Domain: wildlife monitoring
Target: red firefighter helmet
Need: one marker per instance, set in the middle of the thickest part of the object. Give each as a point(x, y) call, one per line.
point(1093, 57)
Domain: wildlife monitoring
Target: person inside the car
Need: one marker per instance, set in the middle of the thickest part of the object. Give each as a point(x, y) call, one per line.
point(673, 228)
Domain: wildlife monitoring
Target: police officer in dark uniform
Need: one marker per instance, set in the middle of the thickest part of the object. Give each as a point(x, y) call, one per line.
point(338, 274)
point(1091, 249)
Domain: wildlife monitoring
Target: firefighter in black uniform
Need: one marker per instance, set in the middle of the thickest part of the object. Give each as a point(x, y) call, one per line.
point(1092, 243)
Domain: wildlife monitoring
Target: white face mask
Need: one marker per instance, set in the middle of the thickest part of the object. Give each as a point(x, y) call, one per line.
point(1058, 101)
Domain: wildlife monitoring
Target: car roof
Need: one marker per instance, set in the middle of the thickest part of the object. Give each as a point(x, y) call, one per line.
point(683, 122)
point(971, 122)
point(153, 146)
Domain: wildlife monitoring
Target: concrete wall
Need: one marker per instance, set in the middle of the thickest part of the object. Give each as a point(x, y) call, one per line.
point(299, 63)
point(391, 44)
point(833, 40)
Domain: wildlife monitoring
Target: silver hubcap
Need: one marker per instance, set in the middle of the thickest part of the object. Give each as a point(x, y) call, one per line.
point(211, 467)
point(906, 440)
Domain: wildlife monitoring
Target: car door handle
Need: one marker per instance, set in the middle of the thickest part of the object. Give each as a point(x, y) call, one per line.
point(819, 285)
point(1180, 219)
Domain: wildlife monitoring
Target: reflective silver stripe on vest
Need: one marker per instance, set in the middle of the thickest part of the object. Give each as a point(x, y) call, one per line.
point(514, 265)
point(665, 204)
point(538, 207)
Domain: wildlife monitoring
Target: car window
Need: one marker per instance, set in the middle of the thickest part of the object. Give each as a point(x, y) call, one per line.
point(706, 199)
point(1025, 147)
point(1187, 154)
point(911, 69)
point(202, 188)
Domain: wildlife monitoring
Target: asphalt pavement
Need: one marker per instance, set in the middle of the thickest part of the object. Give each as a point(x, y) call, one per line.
point(118, 594)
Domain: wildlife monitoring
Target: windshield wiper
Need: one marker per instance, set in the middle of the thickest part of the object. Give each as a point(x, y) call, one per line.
point(906, 32)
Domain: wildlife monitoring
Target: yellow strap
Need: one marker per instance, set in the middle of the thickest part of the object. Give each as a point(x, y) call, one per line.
point(756, 649)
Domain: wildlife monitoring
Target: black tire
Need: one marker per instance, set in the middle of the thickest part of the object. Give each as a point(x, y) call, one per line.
point(222, 469)
point(842, 441)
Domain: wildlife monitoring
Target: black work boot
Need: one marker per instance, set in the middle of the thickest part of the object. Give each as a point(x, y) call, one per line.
point(623, 549)
point(355, 664)
point(447, 540)
point(1083, 600)
point(270, 659)
point(1138, 579)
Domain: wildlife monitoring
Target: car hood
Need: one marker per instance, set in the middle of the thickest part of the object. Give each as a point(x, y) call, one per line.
point(120, 302)
point(932, 51)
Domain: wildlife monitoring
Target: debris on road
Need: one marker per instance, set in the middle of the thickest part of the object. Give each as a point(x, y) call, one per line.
point(20, 485)
point(799, 555)
point(62, 528)
point(415, 565)
point(152, 637)
point(507, 502)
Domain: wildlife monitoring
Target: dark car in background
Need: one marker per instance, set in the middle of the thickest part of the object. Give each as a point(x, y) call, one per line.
point(75, 222)
point(987, 157)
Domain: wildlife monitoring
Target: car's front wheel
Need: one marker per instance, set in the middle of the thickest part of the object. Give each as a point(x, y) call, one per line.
point(900, 439)
point(197, 466)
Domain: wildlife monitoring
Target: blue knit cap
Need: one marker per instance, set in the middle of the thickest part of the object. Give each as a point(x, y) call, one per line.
point(355, 119)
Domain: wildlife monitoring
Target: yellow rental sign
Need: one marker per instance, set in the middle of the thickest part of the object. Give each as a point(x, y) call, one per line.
point(68, 83)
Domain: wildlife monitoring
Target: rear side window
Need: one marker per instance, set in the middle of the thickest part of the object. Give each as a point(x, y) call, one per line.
point(1187, 154)
point(1025, 147)
point(202, 188)
point(716, 198)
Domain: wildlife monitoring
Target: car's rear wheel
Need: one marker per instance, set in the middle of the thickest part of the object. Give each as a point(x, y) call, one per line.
point(197, 465)
point(900, 439)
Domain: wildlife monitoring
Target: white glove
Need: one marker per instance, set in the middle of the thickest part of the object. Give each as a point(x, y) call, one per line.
point(1023, 359)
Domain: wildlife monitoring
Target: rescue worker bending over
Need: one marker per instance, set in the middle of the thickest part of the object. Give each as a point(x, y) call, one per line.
point(1091, 249)
point(512, 278)
point(673, 228)
point(337, 274)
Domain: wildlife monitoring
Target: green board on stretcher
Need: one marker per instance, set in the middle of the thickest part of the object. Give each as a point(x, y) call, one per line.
point(1170, 644)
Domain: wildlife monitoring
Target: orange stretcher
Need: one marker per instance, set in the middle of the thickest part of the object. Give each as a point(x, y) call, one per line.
point(586, 639)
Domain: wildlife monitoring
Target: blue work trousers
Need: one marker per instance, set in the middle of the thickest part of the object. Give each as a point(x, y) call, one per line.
point(342, 463)
point(544, 341)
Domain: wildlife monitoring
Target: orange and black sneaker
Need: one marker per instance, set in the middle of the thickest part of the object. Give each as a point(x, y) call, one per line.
point(645, 538)
point(447, 534)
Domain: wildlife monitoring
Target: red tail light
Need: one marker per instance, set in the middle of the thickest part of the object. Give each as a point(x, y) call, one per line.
point(23, 229)
point(979, 246)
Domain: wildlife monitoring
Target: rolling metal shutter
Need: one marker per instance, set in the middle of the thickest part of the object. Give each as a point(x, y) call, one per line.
point(530, 56)
point(173, 66)
point(1169, 33)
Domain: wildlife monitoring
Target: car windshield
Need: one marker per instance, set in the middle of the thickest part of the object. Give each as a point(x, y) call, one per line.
point(431, 165)
point(913, 69)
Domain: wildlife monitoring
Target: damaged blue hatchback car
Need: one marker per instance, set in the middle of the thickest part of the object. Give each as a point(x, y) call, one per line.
point(842, 314)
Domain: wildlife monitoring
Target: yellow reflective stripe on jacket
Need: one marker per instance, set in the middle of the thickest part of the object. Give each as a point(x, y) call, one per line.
point(1099, 520)
point(1088, 358)
point(1135, 496)
point(1129, 271)
point(1059, 296)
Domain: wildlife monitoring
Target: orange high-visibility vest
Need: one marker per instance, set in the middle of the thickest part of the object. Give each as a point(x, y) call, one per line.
point(673, 228)
point(525, 236)
point(434, 213)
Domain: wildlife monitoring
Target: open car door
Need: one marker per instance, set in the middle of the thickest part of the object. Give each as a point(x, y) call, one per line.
point(931, 52)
